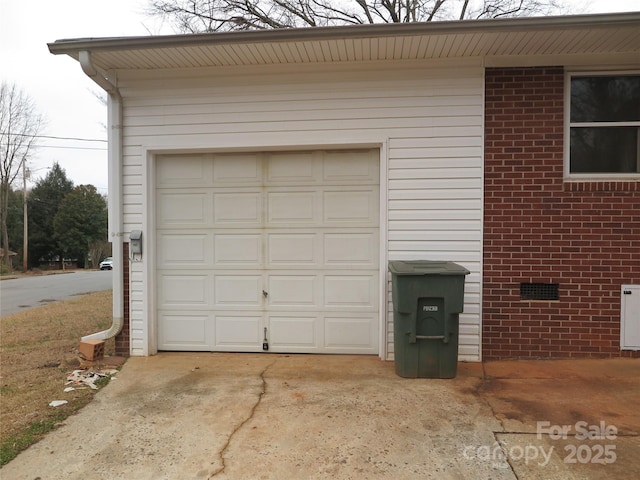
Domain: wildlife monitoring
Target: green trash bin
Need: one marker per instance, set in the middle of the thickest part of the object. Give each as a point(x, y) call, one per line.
point(427, 297)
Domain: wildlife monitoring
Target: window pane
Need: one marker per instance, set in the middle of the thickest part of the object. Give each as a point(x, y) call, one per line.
point(605, 99)
point(604, 150)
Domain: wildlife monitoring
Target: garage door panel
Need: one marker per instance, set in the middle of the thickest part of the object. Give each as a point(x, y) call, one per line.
point(185, 290)
point(238, 290)
point(292, 168)
point(352, 207)
point(184, 210)
point(293, 290)
point(184, 331)
point(351, 167)
point(238, 332)
point(287, 333)
point(189, 171)
point(184, 249)
point(350, 249)
point(237, 208)
point(292, 249)
point(351, 334)
point(293, 207)
point(350, 291)
point(236, 250)
point(237, 169)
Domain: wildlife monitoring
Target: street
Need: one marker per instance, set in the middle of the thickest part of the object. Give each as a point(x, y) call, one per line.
point(33, 291)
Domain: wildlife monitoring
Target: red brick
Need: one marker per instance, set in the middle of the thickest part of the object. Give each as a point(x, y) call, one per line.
point(541, 228)
point(123, 339)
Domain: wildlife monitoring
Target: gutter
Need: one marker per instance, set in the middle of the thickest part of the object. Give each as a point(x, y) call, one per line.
point(114, 121)
point(379, 30)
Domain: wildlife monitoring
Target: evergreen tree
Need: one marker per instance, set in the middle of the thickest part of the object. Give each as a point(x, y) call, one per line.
point(80, 221)
point(43, 204)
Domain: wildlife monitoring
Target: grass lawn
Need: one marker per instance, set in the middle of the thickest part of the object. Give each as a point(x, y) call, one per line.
point(38, 348)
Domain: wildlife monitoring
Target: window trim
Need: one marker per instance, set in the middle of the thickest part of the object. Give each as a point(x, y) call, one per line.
point(568, 176)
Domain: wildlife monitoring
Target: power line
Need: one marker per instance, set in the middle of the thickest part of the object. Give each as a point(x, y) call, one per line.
point(72, 138)
point(64, 147)
point(52, 137)
point(72, 148)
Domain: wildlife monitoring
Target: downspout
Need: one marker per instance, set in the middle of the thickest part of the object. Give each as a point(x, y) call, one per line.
point(114, 122)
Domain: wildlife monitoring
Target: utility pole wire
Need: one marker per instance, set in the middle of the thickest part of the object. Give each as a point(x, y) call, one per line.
point(102, 149)
point(52, 137)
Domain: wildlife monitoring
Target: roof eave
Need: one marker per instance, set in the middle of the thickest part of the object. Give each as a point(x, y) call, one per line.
point(595, 21)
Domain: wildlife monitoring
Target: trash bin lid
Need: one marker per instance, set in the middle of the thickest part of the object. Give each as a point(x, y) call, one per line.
point(426, 267)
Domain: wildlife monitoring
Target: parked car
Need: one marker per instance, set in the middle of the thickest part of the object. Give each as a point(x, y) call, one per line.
point(106, 264)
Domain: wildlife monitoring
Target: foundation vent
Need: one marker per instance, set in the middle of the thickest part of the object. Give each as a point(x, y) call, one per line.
point(539, 291)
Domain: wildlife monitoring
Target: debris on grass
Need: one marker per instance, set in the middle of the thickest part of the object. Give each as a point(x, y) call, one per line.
point(83, 379)
point(88, 378)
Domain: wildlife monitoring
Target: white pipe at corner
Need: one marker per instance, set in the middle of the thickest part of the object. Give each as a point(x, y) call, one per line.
point(114, 122)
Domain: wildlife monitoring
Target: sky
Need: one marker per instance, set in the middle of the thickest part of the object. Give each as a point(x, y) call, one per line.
point(68, 99)
point(65, 96)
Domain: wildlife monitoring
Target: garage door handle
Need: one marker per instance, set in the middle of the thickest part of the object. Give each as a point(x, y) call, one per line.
point(265, 294)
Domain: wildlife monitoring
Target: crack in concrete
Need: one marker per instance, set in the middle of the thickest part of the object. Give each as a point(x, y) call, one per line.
point(485, 380)
point(506, 454)
point(479, 392)
point(261, 394)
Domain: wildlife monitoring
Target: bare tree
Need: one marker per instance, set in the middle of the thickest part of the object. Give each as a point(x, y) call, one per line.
point(20, 125)
point(191, 16)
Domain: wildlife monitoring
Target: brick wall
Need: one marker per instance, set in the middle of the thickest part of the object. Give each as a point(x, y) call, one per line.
point(584, 236)
point(123, 338)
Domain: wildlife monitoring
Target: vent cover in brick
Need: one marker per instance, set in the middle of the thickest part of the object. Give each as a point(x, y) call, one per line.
point(539, 291)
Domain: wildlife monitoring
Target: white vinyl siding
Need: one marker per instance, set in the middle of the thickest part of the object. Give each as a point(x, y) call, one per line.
point(435, 213)
point(426, 119)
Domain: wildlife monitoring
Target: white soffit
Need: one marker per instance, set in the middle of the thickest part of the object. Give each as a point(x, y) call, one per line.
point(586, 35)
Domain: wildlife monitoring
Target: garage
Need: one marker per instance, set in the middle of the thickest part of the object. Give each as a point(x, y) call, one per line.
point(271, 184)
point(268, 250)
point(270, 176)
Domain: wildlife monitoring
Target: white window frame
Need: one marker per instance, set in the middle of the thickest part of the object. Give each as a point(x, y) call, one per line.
point(568, 124)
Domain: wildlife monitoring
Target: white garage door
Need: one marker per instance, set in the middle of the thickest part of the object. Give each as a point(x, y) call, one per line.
point(278, 244)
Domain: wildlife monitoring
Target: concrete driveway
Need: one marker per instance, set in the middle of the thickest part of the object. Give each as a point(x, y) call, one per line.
point(270, 416)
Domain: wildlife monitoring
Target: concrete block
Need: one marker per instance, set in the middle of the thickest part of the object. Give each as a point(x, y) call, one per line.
point(92, 349)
